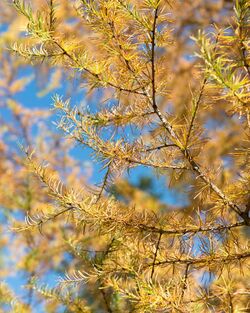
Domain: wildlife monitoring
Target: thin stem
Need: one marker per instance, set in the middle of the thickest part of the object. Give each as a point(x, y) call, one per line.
point(160, 147)
point(194, 230)
point(205, 260)
point(141, 162)
point(105, 180)
point(108, 250)
point(52, 217)
point(153, 57)
point(184, 286)
point(196, 107)
point(155, 255)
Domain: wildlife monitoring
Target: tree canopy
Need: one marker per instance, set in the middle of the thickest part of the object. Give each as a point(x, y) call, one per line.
point(154, 84)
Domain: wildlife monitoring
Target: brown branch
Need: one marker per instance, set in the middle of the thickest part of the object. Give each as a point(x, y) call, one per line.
point(41, 222)
point(114, 119)
point(155, 255)
point(105, 180)
point(153, 57)
point(196, 168)
point(184, 285)
point(161, 147)
point(51, 15)
point(104, 295)
point(105, 300)
point(194, 165)
point(204, 260)
point(197, 103)
point(141, 162)
point(194, 230)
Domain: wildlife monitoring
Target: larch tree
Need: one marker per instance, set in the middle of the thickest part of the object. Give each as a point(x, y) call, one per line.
point(167, 85)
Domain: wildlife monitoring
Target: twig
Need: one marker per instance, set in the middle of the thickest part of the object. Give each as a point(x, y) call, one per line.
point(197, 103)
point(204, 260)
point(155, 255)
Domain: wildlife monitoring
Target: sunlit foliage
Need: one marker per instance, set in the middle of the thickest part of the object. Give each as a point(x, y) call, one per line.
point(157, 98)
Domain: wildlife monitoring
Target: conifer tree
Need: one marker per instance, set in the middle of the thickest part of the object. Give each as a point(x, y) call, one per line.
point(157, 99)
